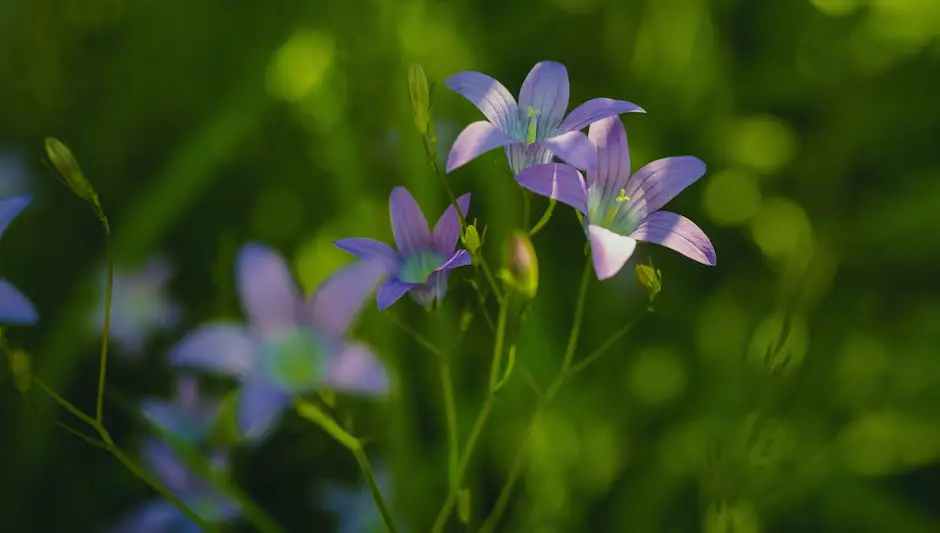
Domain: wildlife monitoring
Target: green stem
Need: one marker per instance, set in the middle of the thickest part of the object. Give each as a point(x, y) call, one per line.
point(450, 410)
point(578, 319)
point(419, 338)
point(106, 331)
point(313, 413)
point(498, 345)
point(546, 216)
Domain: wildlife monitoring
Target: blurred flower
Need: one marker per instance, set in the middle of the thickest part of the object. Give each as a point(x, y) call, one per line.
point(622, 209)
point(188, 416)
point(290, 346)
point(355, 510)
point(12, 175)
point(140, 305)
point(14, 307)
point(536, 128)
point(423, 262)
point(161, 516)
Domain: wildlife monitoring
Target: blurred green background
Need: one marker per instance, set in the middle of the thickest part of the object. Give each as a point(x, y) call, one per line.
point(205, 125)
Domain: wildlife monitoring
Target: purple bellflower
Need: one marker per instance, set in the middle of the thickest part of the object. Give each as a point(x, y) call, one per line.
point(621, 209)
point(14, 307)
point(423, 262)
point(161, 516)
point(188, 417)
point(290, 346)
point(139, 305)
point(535, 129)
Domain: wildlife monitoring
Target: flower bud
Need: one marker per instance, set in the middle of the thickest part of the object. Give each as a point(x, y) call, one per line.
point(471, 238)
point(521, 264)
point(651, 278)
point(420, 99)
point(64, 162)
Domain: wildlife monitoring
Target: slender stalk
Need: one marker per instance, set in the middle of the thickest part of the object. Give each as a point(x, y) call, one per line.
point(450, 411)
point(526, 208)
point(578, 319)
point(498, 345)
point(313, 413)
point(546, 216)
point(106, 330)
point(419, 338)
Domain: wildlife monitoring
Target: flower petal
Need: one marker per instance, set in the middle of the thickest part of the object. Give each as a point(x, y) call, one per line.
point(597, 109)
point(339, 298)
point(613, 156)
point(259, 407)
point(268, 293)
point(460, 258)
point(660, 181)
point(561, 182)
point(158, 516)
point(408, 222)
point(609, 250)
point(219, 348)
point(475, 140)
point(488, 95)
point(356, 369)
point(14, 307)
point(370, 250)
point(573, 148)
point(546, 90)
point(10, 208)
point(392, 290)
point(166, 466)
point(447, 229)
point(679, 233)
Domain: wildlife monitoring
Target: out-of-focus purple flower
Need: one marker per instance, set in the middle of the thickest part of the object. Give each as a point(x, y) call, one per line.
point(140, 305)
point(290, 345)
point(15, 308)
point(188, 417)
point(160, 516)
point(621, 209)
point(423, 262)
point(355, 509)
point(12, 174)
point(536, 128)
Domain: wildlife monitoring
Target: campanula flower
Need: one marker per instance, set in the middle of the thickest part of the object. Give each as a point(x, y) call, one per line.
point(536, 128)
point(621, 209)
point(290, 345)
point(423, 262)
point(140, 305)
point(14, 307)
point(188, 417)
point(160, 516)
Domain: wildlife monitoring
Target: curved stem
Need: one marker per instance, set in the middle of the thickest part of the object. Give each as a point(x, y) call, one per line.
point(498, 345)
point(313, 413)
point(106, 330)
point(546, 216)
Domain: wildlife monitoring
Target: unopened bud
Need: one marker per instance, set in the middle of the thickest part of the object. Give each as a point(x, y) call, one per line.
point(64, 162)
point(420, 99)
point(21, 368)
point(651, 278)
point(471, 238)
point(521, 270)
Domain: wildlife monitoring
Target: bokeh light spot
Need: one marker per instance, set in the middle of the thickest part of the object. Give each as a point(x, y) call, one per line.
point(762, 142)
point(301, 64)
point(766, 348)
point(721, 330)
point(732, 197)
point(781, 228)
point(657, 376)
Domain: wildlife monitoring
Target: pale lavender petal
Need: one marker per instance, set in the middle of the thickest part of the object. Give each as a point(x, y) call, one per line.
point(356, 369)
point(338, 300)
point(392, 290)
point(10, 208)
point(573, 148)
point(597, 109)
point(408, 222)
point(370, 250)
point(187, 394)
point(609, 250)
point(561, 182)
point(475, 140)
point(14, 307)
point(459, 259)
point(546, 90)
point(488, 95)
point(660, 181)
point(679, 233)
point(218, 348)
point(613, 156)
point(447, 229)
point(166, 466)
point(259, 408)
point(268, 293)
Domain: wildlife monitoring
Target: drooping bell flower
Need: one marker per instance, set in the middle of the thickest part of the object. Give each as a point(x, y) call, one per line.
point(620, 208)
point(14, 307)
